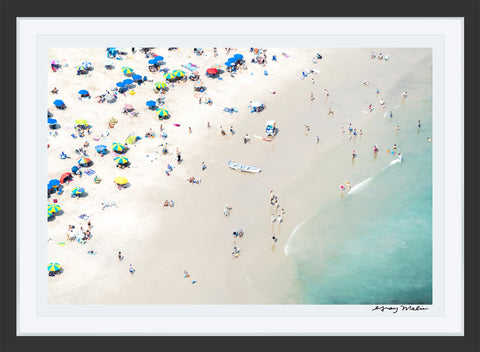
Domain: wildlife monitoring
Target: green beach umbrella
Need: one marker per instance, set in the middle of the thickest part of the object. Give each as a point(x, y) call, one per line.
point(162, 112)
point(178, 73)
point(81, 122)
point(161, 85)
point(118, 147)
point(53, 208)
point(121, 160)
point(54, 267)
point(169, 75)
point(127, 70)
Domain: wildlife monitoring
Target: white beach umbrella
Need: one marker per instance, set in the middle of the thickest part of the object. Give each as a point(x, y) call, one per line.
point(256, 104)
point(108, 62)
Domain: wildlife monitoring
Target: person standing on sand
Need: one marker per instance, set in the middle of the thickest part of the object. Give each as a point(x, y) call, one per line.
point(203, 166)
point(342, 188)
point(317, 139)
point(189, 130)
point(326, 93)
point(311, 97)
point(354, 154)
point(119, 256)
point(131, 270)
point(208, 124)
point(397, 128)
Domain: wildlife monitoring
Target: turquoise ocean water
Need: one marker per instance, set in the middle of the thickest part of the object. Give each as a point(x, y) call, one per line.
point(374, 245)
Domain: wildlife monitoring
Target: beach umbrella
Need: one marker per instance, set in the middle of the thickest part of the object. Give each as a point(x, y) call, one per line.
point(238, 56)
point(49, 215)
point(128, 81)
point(178, 73)
point(161, 85)
point(121, 180)
point(132, 138)
point(218, 67)
point(51, 121)
point(121, 85)
point(100, 148)
point(158, 58)
point(121, 160)
point(54, 62)
point(117, 147)
point(54, 267)
point(53, 208)
point(212, 71)
point(128, 107)
point(53, 183)
point(151, 103)
point(198, 84)
point(81, 122)
point(136, 78)
point(74, 168)
point(80, 68)
point(232, 60)
point(64, 176)
point(108, 62)
point(152, 62)
point(83, 92)
point(86, 64)
point(58, 102)
point(228, 64)
point(127, 70)
point(162, 112)
point(169, 75)
point(255, 104)
point(78, 190)
point(83, 161)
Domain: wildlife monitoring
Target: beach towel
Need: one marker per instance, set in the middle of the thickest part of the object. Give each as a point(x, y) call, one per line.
point(84, 216)
point(229, 110)
point(265, 73)
point(190, 66)
point(89, 172)
point(176, 124)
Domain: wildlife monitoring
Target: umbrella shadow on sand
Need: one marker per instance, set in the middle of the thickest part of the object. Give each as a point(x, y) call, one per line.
point(59, 213)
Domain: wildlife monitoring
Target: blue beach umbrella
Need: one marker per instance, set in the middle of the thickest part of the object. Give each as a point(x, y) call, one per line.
point(151, 103)
point(51, 121)
point(53, 183)
point(121, 85)
point(136, 77)
point(100, 148)
point(238, 56)
point(83, 92)
point(232, 59)
point(74, 169)
point(158, 58)
point(78, 190)
point(228, 64)
point(128, 81)
point(58, 102)
point(152, 61)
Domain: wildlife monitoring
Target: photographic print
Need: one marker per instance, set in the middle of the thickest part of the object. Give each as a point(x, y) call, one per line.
point(239, 175)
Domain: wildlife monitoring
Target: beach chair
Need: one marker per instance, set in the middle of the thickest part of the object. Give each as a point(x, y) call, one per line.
point(97, 179)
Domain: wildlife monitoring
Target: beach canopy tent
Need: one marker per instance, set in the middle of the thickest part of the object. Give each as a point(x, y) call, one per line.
point(178, 73)
point(121, 160)
point(128, 81)
point(238, 56)
point(65, 177)
point(58, 103)
point(128, 107)
point(80, 122)
point(127, 70)
point(53, 183)
point(162, 112)
point(151, 103)
point(121, 85)
point(136, 78)
point(51, 121)
point(53, 267)
point(117, 147)
point(101, 149)
point(53, 208)
point(78, 190)
point(120, 180)
point(83, 161)
point(132, 138)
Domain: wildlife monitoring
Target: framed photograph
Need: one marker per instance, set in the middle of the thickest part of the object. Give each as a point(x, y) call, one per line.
point(227, 179)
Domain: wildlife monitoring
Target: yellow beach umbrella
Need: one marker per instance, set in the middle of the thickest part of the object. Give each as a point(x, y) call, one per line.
point(121, 180)
point(80, 122)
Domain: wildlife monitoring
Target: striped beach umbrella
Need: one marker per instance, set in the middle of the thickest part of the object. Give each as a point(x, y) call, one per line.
point(162, 112)
point(78, 190)
point(121, 160)
point(84, 160)
point(120, 180)
point(86, 64)
point(117, 147)
point(53, 208)
point(161, 85)
point(80, 68)
point(54, 267)
point(80, 122)
point(178, 73)
point(49, 215)
point(54, 62)
point(127, 70)
point(169, 76)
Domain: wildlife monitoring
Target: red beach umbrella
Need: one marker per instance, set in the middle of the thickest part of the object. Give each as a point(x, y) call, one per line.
point(212, 71)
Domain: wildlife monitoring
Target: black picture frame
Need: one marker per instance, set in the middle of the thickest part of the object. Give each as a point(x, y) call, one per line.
point(11, 9)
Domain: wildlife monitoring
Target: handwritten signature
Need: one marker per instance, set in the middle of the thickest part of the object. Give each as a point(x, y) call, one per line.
point(401, 308)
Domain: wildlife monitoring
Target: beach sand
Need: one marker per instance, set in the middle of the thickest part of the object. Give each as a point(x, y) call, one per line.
point(194, 235)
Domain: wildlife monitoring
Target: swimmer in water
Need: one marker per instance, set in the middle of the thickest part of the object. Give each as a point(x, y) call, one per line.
point(394, 147)
point(400, 157)
point(354, 154)
point(375, 149)
point(429, 139)
point(419, 124)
